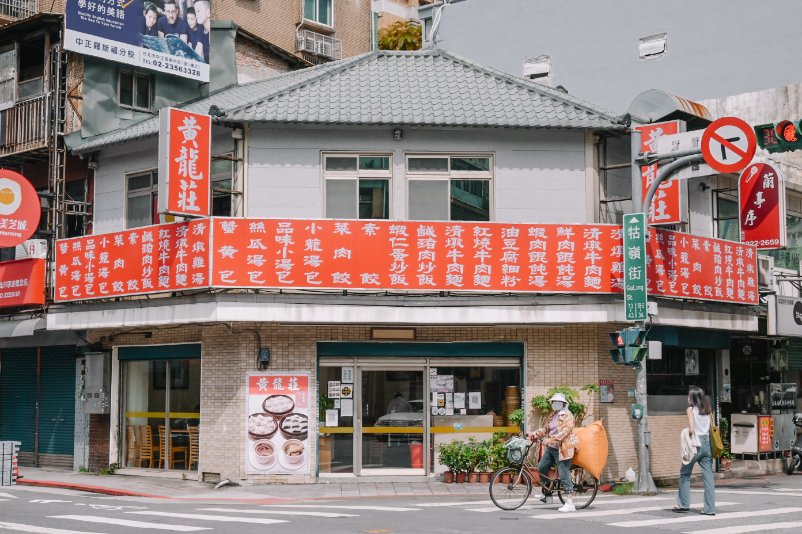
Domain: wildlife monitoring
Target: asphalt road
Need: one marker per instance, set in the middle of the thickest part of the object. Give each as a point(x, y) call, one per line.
point(765, 505)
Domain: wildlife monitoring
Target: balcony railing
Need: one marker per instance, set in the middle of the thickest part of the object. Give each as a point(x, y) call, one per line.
point(24, 126)
point(319, 44)
point(18, 9)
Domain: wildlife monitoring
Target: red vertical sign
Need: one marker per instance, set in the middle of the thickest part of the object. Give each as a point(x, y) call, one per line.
point(666, 206)
point(761, 206)
point(185, 141)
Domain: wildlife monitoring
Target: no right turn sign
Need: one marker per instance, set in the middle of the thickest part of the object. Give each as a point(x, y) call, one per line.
point(728, 144)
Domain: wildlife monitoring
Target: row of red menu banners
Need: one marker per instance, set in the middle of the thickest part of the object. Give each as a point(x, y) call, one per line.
point(396, 256)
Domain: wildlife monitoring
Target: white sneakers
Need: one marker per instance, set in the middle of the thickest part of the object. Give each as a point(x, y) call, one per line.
point(567, 507)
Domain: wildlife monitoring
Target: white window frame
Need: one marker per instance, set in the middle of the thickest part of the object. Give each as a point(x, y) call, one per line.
point(154, 190)
point(357, 175)
point(314, 20)
point(452, 175)
point(134, 75)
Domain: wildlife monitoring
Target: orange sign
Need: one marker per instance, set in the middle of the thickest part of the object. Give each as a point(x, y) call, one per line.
point(22, 283)
point(19, 209)
point(666, 206)
point(151, 259)
point(765, 433)
point(185, 141)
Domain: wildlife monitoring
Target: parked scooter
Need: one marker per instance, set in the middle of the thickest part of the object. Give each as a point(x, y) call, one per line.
point(795, 463)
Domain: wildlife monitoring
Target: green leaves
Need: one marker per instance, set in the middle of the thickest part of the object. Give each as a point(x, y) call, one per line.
point(403, 35)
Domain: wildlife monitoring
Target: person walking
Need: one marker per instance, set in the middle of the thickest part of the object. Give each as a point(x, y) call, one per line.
point(560, 441)
point(698, 431)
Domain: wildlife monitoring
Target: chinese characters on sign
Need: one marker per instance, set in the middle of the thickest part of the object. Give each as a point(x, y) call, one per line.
point(395, 255)
point(184, 163)
point(19, 209)
point(415, 255)
point(22, 283)
point(635, 266)
point(761, 200)
point(138, 34)
point(666, 204)
point(277, 423)
point(152, 259)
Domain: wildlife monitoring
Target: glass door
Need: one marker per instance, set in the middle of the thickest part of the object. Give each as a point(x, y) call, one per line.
point(392, 417)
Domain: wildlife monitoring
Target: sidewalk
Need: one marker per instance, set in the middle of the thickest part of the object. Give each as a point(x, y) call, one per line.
point(176, 489)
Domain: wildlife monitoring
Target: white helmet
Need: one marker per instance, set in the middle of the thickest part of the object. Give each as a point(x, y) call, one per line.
point(559, 397)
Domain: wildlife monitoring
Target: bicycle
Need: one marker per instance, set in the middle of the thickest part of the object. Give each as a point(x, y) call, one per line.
point(511, 486)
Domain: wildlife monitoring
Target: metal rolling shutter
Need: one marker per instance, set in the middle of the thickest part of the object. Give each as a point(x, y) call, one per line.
point(57, 407)
point(18, 399)
point(795, 355)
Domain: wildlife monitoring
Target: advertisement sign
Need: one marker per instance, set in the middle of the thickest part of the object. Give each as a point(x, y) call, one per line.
point(765, 433)
point(161, 35)
point(783, 396)
point(784, 317)
point(606, 391)
point(635, 266)
point(185, 158)
point(688, 266)
point(151, 259)
point(19, 209)
point(666, 206)
point(277, 423)
point(414, 255)
point(22, 283)
point(761, 206)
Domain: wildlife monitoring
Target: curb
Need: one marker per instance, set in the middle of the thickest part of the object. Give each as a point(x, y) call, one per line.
point(87, 488)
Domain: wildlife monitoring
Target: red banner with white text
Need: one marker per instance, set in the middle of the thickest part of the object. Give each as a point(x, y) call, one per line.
point(22, 283)
point(397, 256)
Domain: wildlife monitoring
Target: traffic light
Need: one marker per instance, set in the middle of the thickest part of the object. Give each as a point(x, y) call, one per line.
point(779, 137)
point(617, 353)
point(635, 341)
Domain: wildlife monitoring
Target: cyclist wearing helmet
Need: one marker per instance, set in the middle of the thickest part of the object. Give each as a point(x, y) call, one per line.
point(560, 442)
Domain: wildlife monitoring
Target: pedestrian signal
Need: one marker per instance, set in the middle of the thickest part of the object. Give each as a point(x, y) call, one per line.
point(630, 346)
point(617, 353)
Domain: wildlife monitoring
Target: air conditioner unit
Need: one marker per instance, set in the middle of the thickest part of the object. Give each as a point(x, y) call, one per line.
point(765, 272)
point(32, 248)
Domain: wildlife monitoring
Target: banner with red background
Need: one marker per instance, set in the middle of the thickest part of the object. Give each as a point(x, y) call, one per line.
point(666, 206)
point(22, 283)
point(761, 206)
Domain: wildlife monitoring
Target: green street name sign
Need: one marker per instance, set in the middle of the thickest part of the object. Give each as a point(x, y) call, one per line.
point(635, 266)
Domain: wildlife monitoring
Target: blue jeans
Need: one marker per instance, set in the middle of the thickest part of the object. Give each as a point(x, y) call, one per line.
point(550, 457)
point(705, 460)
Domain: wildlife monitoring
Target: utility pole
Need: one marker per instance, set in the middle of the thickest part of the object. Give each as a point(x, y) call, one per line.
point(645, 483)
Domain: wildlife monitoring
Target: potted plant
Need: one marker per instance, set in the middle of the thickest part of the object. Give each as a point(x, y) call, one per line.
point(448, 456)
point(482, 458)
point(726, 455)
point(497, 453)
point(471, 459)
point(516, 417)
point(461, 466)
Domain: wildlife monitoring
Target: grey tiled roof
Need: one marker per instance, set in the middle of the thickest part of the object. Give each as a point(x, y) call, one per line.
point(424, 88)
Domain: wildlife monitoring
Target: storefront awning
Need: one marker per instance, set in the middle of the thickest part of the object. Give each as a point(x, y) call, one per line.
point(25, 327)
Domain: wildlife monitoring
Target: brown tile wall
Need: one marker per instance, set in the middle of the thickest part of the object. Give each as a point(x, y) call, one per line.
point(99, 425)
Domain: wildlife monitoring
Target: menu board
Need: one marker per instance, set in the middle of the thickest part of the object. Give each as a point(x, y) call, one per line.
point(277, 423)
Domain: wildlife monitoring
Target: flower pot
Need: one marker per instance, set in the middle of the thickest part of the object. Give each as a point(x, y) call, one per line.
point(484, 477)
point(460, 478)
point(448, 477)
point(473, 478)
point(505, 478)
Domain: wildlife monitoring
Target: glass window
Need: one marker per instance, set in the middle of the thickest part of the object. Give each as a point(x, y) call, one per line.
point(141, 199)
point(143, 98)
point(726, 218)
point(357, 186)
point(319, 11)
point(449, 188)
point(135, 90)
point(222, 188)
point(8, 75)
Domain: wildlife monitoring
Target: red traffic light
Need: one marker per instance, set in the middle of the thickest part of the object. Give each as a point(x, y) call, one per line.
point(787, 131)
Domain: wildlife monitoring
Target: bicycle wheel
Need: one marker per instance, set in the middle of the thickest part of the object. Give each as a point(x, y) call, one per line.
point(585, 488)
point(512, 494)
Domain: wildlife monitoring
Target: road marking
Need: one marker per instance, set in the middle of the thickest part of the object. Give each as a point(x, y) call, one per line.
point(204, 517)
point(753, 492)
point(277, 512)
point(700, 517)
point(8, 496)
point(19, 527)
point(128, 523)
point(458, 503)
point(345, 507)
point(617, 511)
point(597, 501)
point(766, 527)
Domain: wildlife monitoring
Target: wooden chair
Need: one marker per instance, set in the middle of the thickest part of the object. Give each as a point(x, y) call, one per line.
point(173, 450)
point(132, 445)
point(194, 442)
point(147, 450)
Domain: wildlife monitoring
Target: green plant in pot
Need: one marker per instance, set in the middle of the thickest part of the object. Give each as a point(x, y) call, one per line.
point(325, 403)
point(482, 460)
point(450, 456)
point(471, 459)
point(516, 417)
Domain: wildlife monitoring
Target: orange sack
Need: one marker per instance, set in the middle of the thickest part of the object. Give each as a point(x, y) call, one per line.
point(591, 450)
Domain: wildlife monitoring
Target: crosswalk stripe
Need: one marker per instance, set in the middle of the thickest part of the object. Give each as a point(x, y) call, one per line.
point(458, 503)
point(597, 501)
point(276, 512)
point(128, 523)
point(19, 527)
point(750, 528)
point(344, 507)
point(617, 511)
point(754, 492)
point(700, 517)
point(204, 517)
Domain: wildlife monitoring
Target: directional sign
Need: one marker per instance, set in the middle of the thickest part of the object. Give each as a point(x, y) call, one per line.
point(635, 266)
point(728, 144)
point(667, 144)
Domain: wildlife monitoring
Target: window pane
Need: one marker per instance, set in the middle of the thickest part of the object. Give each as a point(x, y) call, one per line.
point(140, 181)
point(126, 88)
point(470, 164)
point(374, 199)
point(221, 203)
point(428, 200)
point(341, 199)
point(428, 165)
point(222, 169)
point(374, 163)
point(336, 163)
point(470, 200)
point(8, 75)
point(309, 9)
point(726, 207)
point(324, 12)
point(140, 211)
point(727, 229)
point(143, 92)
